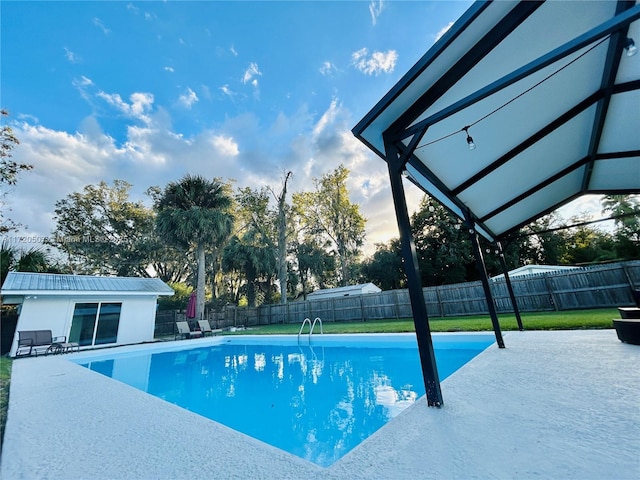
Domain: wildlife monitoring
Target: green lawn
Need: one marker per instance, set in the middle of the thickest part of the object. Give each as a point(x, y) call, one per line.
point(5, 376)
point(576, 319)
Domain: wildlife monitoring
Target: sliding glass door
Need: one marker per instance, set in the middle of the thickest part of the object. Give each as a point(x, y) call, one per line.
point(95, 323)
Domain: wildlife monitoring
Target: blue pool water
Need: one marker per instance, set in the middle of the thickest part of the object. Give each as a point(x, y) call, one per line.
point(315, 402)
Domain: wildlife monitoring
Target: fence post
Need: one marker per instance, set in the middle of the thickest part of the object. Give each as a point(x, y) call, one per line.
point(439, 299)
point(626, 274)
point(554, 300)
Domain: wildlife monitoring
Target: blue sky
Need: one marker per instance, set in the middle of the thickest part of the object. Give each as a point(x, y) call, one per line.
point(149, 91)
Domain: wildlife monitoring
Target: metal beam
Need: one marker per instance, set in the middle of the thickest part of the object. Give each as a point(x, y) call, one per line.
point(532, 140)
point(414, 283)
point(610, 71)
point(619, 21)
point(484, 277)
point(512, 295)
point(512, 20)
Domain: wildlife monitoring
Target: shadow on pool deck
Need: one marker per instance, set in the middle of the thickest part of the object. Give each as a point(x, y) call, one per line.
point(556, 405)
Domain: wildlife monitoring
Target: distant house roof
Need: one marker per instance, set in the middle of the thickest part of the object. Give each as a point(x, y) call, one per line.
point(21, 283)
point(349, 290)
point(535, 269)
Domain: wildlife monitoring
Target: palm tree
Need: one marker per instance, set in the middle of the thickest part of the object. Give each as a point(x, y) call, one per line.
point(254, 261)
point(195, 213)
point(35, 260)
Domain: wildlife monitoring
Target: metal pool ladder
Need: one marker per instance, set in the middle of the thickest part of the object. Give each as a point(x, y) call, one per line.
point(311, 327)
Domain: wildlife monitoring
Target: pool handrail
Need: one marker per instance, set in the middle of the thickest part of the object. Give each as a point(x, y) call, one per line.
point(311, 327)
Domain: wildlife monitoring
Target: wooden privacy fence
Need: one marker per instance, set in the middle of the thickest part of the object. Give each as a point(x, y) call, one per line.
point(599, 286)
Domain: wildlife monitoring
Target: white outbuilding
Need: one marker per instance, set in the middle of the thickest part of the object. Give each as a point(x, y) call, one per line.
point(535, 270)
point(348, 291)
point(88, 310)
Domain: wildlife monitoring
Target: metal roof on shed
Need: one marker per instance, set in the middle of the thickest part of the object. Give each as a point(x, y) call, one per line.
point(18, 283)
point(348, 290)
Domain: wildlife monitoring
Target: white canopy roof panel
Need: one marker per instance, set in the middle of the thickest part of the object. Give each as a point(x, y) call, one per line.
point(547, 93)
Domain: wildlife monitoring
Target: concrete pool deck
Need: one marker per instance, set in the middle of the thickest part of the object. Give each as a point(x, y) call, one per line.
point(552, 405)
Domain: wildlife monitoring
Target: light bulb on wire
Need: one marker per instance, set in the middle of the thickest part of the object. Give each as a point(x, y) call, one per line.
point(470, 142)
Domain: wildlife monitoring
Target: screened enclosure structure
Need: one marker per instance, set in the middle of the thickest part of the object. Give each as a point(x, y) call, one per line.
point(518, 109)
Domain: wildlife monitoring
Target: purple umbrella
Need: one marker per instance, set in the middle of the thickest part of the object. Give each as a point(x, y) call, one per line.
point(191, 306)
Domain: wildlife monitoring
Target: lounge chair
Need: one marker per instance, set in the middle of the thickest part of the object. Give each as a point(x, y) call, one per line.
point(205, 327)
point(185, 332)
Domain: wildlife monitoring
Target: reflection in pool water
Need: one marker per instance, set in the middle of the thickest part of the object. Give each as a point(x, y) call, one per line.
point(317, 403)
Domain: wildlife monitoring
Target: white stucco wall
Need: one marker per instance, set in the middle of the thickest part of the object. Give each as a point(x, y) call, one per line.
point(137, 316)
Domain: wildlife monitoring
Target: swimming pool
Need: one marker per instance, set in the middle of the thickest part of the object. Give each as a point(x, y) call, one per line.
point(315, 401)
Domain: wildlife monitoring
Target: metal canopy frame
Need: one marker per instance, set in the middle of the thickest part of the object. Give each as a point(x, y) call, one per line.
point(555, 116)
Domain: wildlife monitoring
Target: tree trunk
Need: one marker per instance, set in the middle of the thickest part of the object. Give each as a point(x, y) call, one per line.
point(282, 240)
point(282, 255)
point(200, 289)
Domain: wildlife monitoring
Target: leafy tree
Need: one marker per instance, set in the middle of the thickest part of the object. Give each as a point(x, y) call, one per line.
point(328, 213)
point(314, 263)
point(442, 244)
point(547, 244)
point(194, 213)
point(9, 170)
point(103, 232)
point(385, 267)
point(179, 300)
point(627, 235)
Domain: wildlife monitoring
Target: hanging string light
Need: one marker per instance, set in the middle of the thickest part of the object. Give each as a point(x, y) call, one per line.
point(629, 47)
point(472, 146)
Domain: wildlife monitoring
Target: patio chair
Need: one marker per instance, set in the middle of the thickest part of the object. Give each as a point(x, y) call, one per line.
point(185, 332)
point(32, 341)
point(205, 327)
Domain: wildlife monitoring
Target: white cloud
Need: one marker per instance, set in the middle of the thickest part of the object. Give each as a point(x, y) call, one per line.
point(82, 82)
point(227, 91)
point(443, 30)
point(242, 148)
point(188, 98)
point(327, 118)
point(71, 161)
point(115, 100)
point(375, 9)
point(169, 69)
point(141, 104)
point(327, 68)
point(98, 23)
point(225, 145)
point(376, 63)
point(71, 56)
point(250, 73)
point(233, 50)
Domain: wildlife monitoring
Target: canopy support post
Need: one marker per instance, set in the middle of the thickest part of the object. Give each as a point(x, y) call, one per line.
point(512, 295)
point(414, 284)
point(484, 277)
